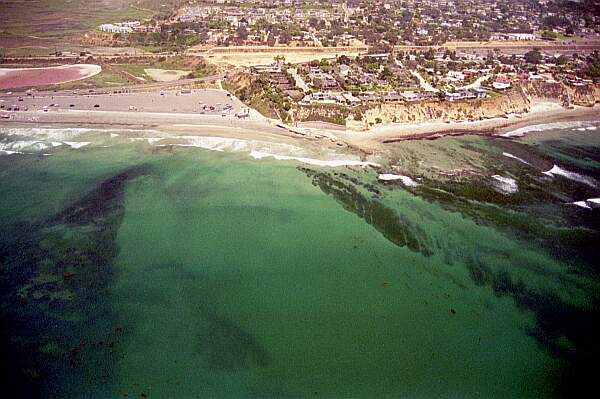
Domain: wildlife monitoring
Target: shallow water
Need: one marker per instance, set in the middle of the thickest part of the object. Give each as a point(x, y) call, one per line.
point(178, 272)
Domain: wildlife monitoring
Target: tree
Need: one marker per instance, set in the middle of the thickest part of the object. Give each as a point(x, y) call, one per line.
point(562, 60)
point(533, 57)
point(385, 74)
point(391, 37)
point(593, 69)
point(344, 59)
point(242, 32)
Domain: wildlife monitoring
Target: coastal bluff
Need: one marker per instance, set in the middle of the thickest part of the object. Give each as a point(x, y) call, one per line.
point(515, 101)
point(586, 96)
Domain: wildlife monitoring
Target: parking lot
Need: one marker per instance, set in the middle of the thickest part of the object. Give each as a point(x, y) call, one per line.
point(200, 101)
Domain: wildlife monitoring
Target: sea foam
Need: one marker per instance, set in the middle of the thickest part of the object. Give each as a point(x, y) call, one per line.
point(573, 125)
point(407, 181)
point(558, 171)
point(581, 204)
point(506, 185)
point(508, 155)
point(311, 161)
point(40, 139)
point(77, 144)
point(589, 203)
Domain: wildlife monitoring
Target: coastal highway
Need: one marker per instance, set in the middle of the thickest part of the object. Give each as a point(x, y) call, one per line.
point(160, 85)
point(521, 47)
point(126, 88)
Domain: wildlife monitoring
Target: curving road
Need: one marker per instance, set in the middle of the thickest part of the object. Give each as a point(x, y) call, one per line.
point(424, 84)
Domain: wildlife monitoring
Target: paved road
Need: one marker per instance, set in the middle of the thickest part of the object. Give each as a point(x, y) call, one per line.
point(298, 79)
point(424, 84)
point(106, 90)
point(196, 102)
point(476, 83)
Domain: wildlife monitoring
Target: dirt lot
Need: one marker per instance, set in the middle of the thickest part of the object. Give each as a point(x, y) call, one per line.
point(260, 55)
point(166, 75)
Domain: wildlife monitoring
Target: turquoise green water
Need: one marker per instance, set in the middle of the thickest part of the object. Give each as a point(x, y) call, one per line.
point(186, 273)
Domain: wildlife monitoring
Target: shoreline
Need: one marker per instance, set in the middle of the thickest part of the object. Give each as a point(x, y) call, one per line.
point(365, 141)
point(541, 113)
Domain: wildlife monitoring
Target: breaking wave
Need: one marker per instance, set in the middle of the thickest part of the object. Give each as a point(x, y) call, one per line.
point(558, 171)
point(406, 180)
point(35, 140)
point(505, 185)
point(312, 161)
point(575, 125)
point(508, 155)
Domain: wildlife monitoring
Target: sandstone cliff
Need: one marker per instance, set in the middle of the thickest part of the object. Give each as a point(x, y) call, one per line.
point(515, 101)
point(568, 95)
point(324, 113)
point(518, 100)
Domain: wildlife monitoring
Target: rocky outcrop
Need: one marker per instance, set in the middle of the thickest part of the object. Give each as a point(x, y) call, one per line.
point(515, 101)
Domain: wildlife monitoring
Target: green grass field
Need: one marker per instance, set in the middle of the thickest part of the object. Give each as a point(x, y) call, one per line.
point(56, 20)
point(136, 70)
point(103, 79)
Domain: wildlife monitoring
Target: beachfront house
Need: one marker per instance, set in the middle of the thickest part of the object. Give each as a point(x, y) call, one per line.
point(501, 85)
point(351, 100)
point(323, 98)
point(274, 68)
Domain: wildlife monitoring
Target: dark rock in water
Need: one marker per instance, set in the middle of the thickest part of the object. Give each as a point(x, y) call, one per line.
point(100, 202)
point(557, 323)
point(53, 288)
point(228, 347)
point(392, 226)
point(452, 311)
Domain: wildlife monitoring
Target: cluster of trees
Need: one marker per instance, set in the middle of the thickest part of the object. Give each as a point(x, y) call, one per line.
point(174, 40)
point(593, 65)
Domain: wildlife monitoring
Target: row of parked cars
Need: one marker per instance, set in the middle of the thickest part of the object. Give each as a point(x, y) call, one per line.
point(13, 107)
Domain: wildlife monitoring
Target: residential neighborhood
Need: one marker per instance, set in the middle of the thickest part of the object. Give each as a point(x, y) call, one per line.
point(413, 77)
point(372, 22)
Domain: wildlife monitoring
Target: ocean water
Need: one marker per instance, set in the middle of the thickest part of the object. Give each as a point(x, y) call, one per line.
point(138, 270)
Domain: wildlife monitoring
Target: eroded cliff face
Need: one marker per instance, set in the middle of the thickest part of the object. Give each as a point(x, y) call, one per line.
point(328, 113)
point(515, 101)
point(588, 95)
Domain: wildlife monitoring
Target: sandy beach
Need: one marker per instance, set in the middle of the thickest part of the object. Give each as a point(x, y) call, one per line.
point(541, 112)
point(215, 111)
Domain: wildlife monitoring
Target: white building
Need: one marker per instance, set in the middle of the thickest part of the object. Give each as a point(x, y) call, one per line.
point(501, 85)
point(112, 28)
point(455, 76)
point(512, 36)
point(120, 27)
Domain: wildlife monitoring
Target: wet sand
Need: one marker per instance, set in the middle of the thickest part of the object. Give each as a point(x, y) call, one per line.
point(176, 112)
point(540, 113)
